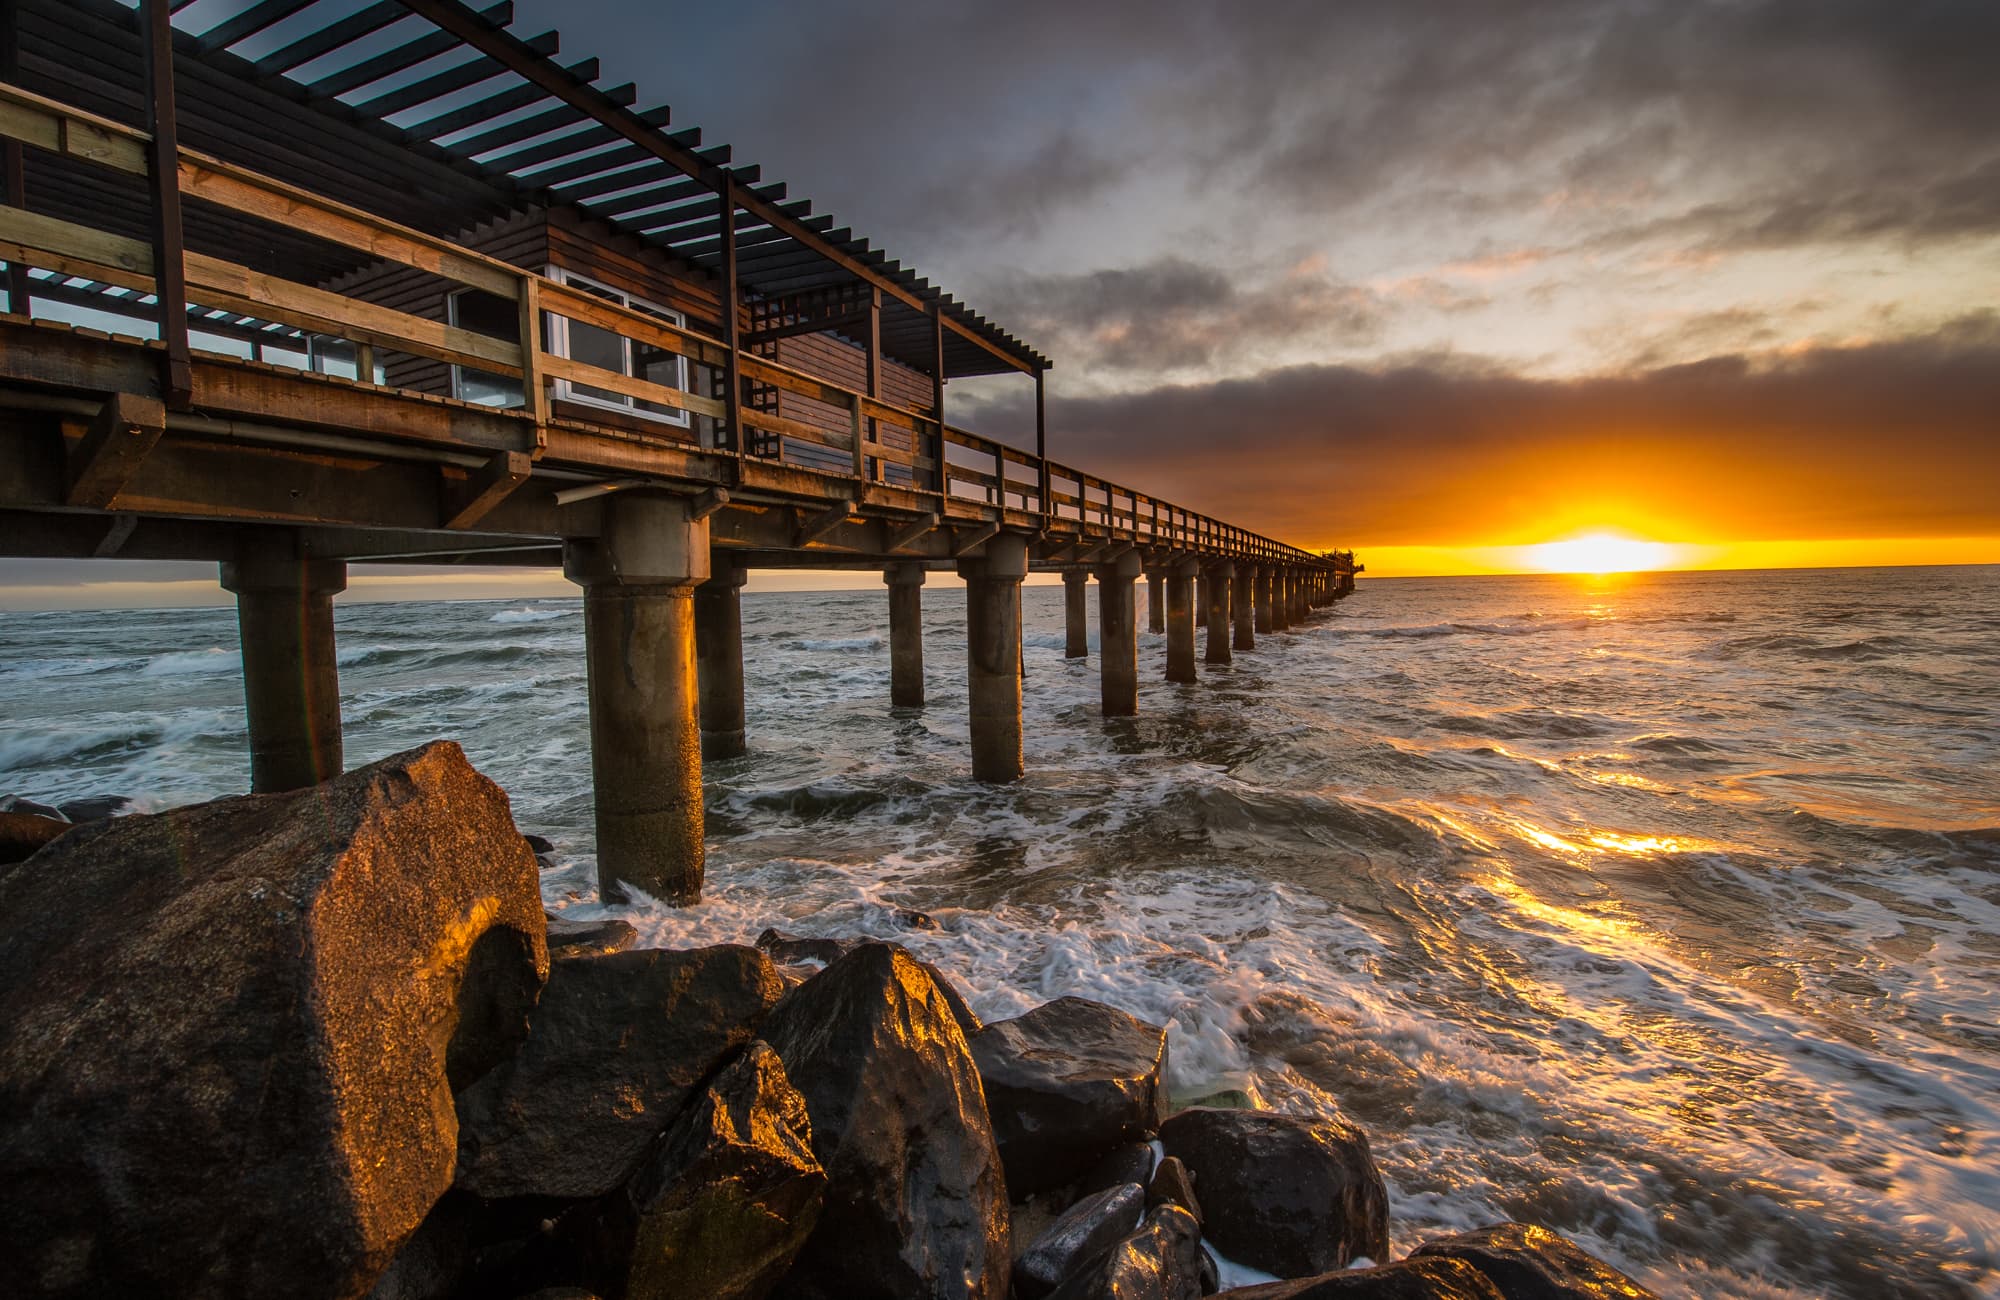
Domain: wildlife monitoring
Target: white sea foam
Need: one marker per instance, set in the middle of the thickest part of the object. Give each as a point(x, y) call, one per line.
point(532, 615)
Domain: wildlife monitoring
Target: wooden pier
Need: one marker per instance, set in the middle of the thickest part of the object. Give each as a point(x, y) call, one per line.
point(292, 293)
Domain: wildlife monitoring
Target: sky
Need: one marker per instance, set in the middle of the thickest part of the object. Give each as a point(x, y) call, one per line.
point(1444, 281)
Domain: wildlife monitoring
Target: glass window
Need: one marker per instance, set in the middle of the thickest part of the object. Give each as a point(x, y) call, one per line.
point(496, 317)
point(595, 346)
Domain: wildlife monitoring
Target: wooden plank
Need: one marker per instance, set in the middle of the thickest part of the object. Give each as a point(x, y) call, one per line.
point(125, 429)
point(576, 372)
point(57, 245)
point(485, 488)
point(576, 304)
point(796, 429)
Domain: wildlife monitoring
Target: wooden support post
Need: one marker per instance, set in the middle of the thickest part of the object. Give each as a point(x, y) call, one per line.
point(534, 391)
point(718, 652)
point(291, 677)
point(13, 158)
point(873, 341)
point(1076, 614)
point(1042, 445)
point(469, 501)
point(732, 379)
point(163, 167)
point(125, 430)
point(993, 656)
point(906, 635)
point(364, 373)
point(937, 398)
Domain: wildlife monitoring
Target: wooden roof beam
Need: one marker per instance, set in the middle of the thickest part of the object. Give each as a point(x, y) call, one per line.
point(248, 23)
point(330, 38)
point(404, 56)
point(576, 142)
point(475, 30)
point(659, 195)
point(451, 80)
point(511, 100)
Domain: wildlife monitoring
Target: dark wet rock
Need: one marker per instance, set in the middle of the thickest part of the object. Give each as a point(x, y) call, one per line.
point(1173, 1185)
point(590, 938)
point(968, 1023)
point(547, 861)
point(792, 949)
point(1087, 1229)
point(1226, 1099)
point(22, 834)
point(1412, 1279)
point(433, 1263)
point(1211, 1272)
point(916, 1204)
point(230, 1034)
point(1529, 1263)
point(96, 807)
point(911, 919)
point(1161, 1261)
point(1288, 1195)
point(540, 844)
point(20, 803)
point(721, 1209)
point(618, 1044)
point(559, 1293)
point(1128, 1162)
point(1067, 1082)
point(793, 976)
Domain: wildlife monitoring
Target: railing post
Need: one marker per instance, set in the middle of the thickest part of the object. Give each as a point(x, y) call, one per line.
point(13, 161)
point(937, 399)
point(163, 161)
point(1041, 445)
point(732, 378)
point(535, 397)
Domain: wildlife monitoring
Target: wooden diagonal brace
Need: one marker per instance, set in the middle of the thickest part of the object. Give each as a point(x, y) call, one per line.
point(708, 503)
point(963, 541)
point(125, 430)
point(910, 532)
point(810, 530)
point(485, 488)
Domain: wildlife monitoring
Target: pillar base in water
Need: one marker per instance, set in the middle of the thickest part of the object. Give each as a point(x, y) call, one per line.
point(1118, 636)
point(906, 635)
point(1180, 621)
point(1076, 615)
point(291, 679)
point(993, 656)
point(718, 649)
point(1221, 580)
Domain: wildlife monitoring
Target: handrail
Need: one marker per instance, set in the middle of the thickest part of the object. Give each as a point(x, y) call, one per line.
point(1094, 505)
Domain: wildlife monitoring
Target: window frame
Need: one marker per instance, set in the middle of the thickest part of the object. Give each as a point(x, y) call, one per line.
point(558, 332)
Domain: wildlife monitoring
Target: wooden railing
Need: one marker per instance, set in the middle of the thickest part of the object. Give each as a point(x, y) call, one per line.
point(881, 441)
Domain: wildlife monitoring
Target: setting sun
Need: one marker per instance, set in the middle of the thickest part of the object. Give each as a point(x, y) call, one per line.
point(1600, 553)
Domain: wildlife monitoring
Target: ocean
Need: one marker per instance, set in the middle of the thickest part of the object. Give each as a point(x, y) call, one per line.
point(1660, 910)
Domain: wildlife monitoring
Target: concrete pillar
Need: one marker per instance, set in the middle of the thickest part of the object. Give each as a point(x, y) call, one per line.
point(1180, 621)
point(1262, 594)
point(1076, 615)
point(1221, 579)
point(718, 652)
point(906, 635)
point(638, 576)
point(993, 655)
point(1118, 635)
point(1299, 608)
point(1281, 609)
point(1242, 606)
point(291, 683)
point(1156, 602)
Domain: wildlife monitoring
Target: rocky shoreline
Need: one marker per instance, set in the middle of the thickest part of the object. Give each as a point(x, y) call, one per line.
point(328, 1044)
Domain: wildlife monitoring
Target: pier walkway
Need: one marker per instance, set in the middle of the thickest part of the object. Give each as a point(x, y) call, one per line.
point(313, 285)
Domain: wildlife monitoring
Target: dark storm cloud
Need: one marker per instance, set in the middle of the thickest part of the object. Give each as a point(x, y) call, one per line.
point(1889, 439)
point(1173, 313)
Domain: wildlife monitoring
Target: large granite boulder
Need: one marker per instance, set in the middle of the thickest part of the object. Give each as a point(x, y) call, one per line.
point(1288, 1195)
point(1081, 1233)
point(23, 834)
point(1067, 1082)
point(619, 1044)
point(1529, 1263)
point(230, 1034)
point(1412, 1279)
point(916, 1205)
point(721, 1209)
point(1161, 1261)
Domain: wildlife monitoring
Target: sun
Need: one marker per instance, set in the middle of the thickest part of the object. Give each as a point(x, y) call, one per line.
point(1600, 553)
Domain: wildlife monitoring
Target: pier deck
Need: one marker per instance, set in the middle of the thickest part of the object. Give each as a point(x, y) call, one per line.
point(532, 328)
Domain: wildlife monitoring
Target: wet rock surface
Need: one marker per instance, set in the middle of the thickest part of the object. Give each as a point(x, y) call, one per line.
point(1173, 1185)
point(619, 1043)
point(1530, 1263)
point(1281, 1193)
point(96, 807)
point(721, 1209)
point(1161, 1261)
point(20, 803)
point(587, 938)
point(1067, 1082)
point(791, 949)
point(1128, 1162)
point(1087, 1229)
point(915, 1203)
point(230, 1034)
point(22, 834)
point(1412, 1279)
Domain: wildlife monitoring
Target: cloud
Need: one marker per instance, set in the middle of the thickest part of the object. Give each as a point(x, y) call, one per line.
point(1883, 439)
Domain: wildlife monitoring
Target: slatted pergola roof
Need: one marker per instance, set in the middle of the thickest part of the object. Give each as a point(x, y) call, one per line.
point(439, 116)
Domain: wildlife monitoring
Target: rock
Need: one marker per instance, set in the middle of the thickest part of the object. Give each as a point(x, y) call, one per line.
point(560, 1293)
point(968, 1023)
point(1412, 1279)
point(433, 1263)
point(1211, 1272)
point(912, 919)
point(916, 1204)
point(721, 1209)
point(1128, 1162)
point(230, 1034)
point(22, 834)
point(590, 938)
point(96, 807)
point(1529, 1263)
point(1087, 1229)
point(539, 844)
point(791, 949)
point(1281, 1193)
point(1067, 1082)
point(618, 1044)
point(1173, 1185)
point(1161, 1261)
point(20, 803)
